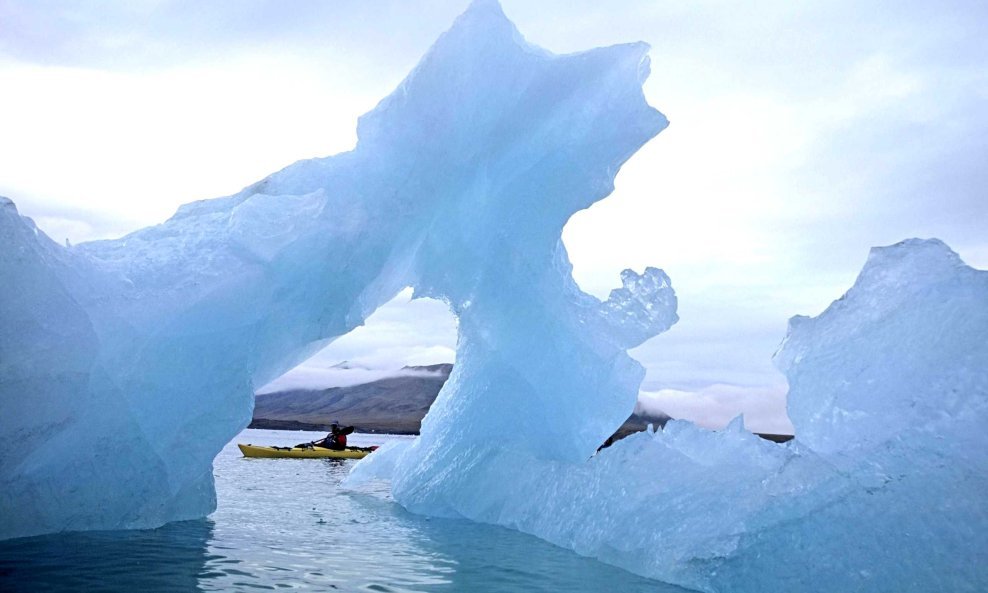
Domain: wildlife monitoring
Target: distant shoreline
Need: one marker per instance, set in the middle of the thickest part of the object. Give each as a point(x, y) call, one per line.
point(266, 424)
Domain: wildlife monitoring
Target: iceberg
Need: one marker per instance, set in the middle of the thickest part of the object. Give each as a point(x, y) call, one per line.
point(883, 488)
point(126, 365)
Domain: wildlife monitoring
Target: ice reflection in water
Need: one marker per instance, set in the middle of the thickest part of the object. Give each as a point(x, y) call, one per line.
point(285, 524)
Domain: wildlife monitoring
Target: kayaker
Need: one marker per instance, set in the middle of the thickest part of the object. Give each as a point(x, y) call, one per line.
point(336, 439)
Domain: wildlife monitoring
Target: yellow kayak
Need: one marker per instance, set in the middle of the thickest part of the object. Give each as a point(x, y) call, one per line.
point(303, 452)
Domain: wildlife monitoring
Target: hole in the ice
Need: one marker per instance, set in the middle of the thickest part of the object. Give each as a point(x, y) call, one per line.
point(380, 377)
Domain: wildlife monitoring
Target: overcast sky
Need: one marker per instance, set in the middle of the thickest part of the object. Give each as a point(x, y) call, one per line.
point(802, 133)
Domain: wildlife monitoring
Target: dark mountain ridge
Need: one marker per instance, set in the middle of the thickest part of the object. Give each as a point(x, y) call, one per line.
point(394, 405)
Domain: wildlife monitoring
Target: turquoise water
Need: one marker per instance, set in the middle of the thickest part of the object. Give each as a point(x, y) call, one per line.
point(285, 524)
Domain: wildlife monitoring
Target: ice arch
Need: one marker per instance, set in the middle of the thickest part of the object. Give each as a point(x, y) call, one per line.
point(127, 364)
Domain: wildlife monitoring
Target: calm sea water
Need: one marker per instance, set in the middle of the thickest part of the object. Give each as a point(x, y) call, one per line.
point(285, 524)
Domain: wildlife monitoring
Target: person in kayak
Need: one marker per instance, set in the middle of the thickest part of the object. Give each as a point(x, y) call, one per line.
point(336, 439)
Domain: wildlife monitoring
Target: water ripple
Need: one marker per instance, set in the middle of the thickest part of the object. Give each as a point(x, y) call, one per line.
point(284, 524)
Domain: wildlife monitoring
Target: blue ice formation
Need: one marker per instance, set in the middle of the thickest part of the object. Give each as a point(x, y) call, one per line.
point(126, 365)
point(882, 490)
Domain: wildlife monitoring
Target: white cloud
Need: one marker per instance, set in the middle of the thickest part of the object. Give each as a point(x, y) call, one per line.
point(60, 229)
point(716, 405)
point(403, 332)
point(316, 377)
point(431, 355)
point(140, 145)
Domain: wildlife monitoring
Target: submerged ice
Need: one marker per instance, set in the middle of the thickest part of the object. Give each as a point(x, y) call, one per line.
point(126, 365)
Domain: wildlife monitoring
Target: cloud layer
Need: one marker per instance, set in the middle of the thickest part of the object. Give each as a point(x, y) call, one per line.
point(714, 406)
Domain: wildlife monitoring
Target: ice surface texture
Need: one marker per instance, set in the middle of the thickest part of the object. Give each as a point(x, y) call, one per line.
point(126, 365)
